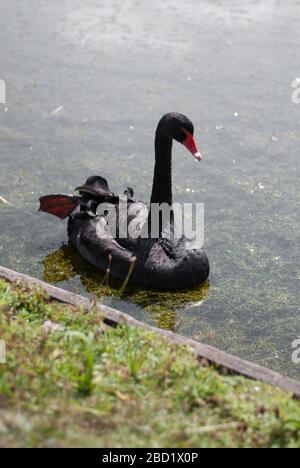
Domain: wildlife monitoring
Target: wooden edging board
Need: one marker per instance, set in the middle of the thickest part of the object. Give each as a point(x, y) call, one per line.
point(114, 317)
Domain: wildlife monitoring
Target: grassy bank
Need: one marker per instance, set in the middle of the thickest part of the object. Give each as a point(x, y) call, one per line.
point(70, 380)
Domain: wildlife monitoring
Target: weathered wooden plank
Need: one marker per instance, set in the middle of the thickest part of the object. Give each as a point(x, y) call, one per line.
point(203, 351)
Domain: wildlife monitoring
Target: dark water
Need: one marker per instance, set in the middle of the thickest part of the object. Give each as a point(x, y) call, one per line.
point(110, 72)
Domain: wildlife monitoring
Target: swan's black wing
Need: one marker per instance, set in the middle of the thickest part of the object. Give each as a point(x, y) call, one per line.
point(95, 243)
point(96, 186)
point(168, 266)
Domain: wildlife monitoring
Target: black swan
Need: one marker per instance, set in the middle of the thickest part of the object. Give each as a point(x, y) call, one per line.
point(160, 262)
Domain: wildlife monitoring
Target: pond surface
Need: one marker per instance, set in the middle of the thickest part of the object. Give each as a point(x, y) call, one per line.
point(86, 85)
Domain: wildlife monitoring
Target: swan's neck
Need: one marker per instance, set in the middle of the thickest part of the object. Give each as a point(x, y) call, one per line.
point(162, 181)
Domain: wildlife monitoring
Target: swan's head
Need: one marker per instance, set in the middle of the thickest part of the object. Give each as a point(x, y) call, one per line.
point(180, 128)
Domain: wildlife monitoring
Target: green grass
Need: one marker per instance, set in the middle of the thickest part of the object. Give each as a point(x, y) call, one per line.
point(77, 382)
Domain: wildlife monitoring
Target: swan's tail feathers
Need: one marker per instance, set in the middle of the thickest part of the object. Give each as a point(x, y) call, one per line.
point(60, 206)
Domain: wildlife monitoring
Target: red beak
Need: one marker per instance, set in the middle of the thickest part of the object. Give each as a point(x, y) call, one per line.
point(191, 145)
